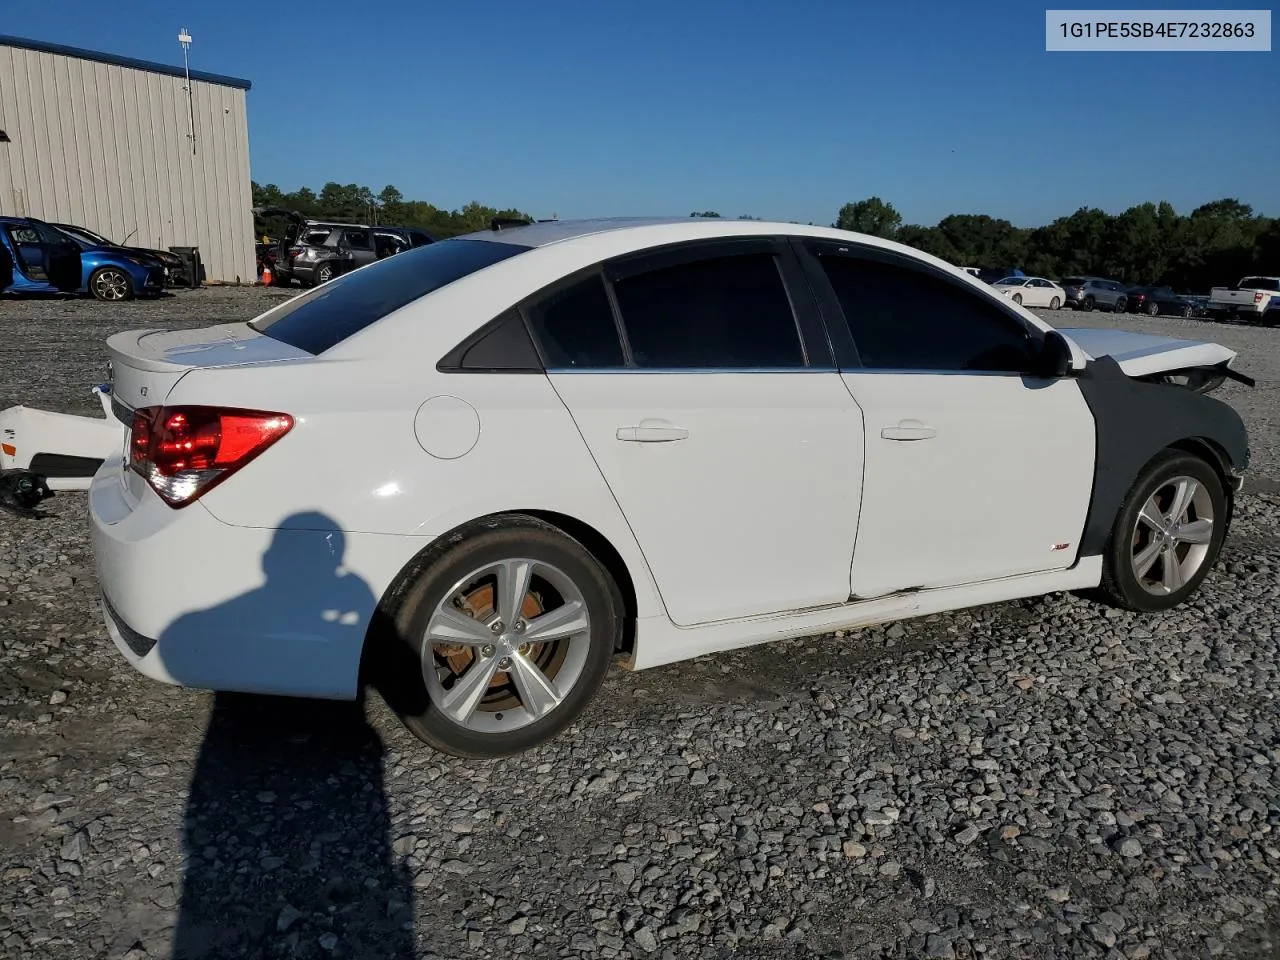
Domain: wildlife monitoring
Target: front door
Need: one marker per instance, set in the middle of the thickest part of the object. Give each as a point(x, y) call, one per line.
point(61, 254)
point(725, 435)
point(974, 469)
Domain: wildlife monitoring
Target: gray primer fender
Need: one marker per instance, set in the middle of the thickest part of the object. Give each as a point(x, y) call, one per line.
point(1134, 422)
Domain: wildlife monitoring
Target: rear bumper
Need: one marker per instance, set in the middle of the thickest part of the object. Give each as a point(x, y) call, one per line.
point(195, 602)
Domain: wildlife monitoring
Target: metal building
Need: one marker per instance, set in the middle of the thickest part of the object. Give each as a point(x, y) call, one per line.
point(105, 142)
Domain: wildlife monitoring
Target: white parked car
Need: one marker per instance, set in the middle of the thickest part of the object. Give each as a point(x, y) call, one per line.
point(486, 468)
point(1032, 291)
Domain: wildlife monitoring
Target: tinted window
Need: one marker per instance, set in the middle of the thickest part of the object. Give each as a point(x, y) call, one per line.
point(575, 327)
point(904, 319)
point(356, 239)
point(726, 312)
point(1259, 283)
point(329, 314)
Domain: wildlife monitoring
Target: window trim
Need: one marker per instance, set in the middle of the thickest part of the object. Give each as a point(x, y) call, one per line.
point(809, 252)
point(452, 362)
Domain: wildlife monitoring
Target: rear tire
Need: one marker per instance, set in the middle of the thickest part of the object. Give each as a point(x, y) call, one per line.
point(1153, 309)
point(1055, 303)
point(529, 690)
point(1138, 554)
point(1086, 304)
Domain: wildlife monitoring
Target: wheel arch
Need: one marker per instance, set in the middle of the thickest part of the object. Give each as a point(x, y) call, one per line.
point(381, 626)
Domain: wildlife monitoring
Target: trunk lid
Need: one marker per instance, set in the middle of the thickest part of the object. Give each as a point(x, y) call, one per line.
point(1144, 354)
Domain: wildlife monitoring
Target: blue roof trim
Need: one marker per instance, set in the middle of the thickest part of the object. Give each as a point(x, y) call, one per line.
point(41, 46)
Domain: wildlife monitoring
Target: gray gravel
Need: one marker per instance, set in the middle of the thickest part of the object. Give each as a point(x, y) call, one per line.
point(1035, 779)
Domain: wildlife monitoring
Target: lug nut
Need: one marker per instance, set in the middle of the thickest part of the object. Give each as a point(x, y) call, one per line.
point(497, 626)
point(487, 650)
point(504, 663)
point(519, 626)
point(524, 649)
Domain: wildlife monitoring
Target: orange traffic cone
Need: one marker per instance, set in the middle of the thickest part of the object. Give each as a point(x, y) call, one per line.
point(266, 275)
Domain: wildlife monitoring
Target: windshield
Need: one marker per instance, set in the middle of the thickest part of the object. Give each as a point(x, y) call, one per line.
point(331, 313)
point(85, 236)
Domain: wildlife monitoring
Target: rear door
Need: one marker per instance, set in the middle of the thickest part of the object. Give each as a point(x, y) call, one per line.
point(975, 470)
point(712, 408)
point(359, 242)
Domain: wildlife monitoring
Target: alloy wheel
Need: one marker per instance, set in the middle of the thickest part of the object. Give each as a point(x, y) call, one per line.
point(1172, 535)
point(506, 645)
point(111, 285)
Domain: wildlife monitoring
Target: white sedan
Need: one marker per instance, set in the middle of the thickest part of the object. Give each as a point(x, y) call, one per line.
point(1032, 291)
point(487, 468)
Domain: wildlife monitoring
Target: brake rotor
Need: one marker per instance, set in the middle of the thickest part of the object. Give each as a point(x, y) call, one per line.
point(479, 605)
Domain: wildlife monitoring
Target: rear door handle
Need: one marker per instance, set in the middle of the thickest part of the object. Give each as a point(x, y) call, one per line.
point(909, 430)
point(652, 431)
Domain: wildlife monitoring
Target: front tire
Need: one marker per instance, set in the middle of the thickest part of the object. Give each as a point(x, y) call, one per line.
point(1017, 298)
point(111, 284)
point(1121, 306)
point(1167, 536)
point(502, 640)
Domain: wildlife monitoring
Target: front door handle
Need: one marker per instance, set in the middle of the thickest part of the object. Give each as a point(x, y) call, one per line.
point(652, 431)
point(909, 430)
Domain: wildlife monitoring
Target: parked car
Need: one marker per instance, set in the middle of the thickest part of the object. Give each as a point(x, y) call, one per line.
point(1154, 299)
point(1248, 299)
point(895, 440)
point(315, 251)
point(87, 238)
point(1271, 315)
point(1031, 291)
point(43, 259)
point(1086, 293)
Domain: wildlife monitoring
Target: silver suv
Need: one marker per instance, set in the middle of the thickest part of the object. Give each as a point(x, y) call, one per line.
point(1085, 293)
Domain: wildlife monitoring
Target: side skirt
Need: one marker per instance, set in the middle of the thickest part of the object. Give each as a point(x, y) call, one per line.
point(658, 641)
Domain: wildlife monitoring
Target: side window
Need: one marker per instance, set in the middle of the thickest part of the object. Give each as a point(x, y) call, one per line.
point(575, 327)
point(356, 239)
point(729, 312)
point(905, 319)
point(419, 239)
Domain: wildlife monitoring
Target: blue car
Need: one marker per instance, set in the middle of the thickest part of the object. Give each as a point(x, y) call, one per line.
point(36, 257)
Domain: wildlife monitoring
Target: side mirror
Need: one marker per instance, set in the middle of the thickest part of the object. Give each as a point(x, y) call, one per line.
point(1055, 356)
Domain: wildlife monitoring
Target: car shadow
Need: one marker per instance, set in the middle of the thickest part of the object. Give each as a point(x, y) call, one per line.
point(286, 833)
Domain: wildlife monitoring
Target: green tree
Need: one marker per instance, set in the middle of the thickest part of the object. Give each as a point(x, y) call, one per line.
point(872, 216)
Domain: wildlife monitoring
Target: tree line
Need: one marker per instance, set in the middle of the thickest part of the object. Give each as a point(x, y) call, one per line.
point(1214, 245)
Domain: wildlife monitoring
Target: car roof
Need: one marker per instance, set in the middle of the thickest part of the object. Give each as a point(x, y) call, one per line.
point(545, 232)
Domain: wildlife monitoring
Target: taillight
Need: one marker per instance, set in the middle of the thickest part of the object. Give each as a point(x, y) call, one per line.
point(295, 252)
point(183, 452)
point(1257, 297)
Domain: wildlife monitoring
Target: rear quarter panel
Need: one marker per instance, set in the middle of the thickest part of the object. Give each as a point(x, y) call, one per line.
point(358, 452)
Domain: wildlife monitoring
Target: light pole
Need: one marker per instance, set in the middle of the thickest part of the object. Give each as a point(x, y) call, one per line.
point(184, 38)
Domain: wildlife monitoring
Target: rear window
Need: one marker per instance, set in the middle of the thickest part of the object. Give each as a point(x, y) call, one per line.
point(1260, 283)
point(327, 315)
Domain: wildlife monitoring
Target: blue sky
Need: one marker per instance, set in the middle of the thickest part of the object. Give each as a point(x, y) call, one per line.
point(783, 111)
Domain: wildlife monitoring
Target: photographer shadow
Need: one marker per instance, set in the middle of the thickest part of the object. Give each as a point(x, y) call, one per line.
point(287, 828)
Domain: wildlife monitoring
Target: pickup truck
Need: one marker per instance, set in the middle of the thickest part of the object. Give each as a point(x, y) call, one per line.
point(1248, 298)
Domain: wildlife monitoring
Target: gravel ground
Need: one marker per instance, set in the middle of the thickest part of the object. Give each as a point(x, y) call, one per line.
point(1035, 779)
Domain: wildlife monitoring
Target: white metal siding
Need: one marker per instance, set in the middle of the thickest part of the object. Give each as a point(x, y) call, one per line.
point(106, 147)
